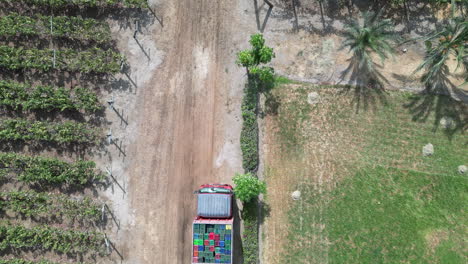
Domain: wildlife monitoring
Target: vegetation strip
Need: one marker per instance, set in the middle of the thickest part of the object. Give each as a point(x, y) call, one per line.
point(22, 261)
point(259, 78)
point(24, 96)
point(65, 132)
point(75, 28)
point(249, 133)
point(93, 60)
point(48, 171)
point(59, 240)
point(82, 3)
point(41, 204)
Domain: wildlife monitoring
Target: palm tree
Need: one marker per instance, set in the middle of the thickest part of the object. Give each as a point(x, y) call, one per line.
point(450, 40)
point(374, 36)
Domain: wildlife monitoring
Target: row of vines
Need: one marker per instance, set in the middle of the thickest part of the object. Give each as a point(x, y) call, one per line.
point(75, 28)
point(52, 194)
point(81, 3)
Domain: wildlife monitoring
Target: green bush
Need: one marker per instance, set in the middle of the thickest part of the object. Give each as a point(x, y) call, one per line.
point(249, 133)
point(250, 234)
point(259, 54)
point(248, 187)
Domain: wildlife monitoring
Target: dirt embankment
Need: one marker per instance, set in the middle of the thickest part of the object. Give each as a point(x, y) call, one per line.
point(187, 126)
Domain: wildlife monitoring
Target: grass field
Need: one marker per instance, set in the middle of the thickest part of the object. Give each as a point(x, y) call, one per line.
point(368, 194)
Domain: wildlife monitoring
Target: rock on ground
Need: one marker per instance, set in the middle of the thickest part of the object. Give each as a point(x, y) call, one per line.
point(428, 150)
point(296, 195)
point(462, 169)
point(313, 98)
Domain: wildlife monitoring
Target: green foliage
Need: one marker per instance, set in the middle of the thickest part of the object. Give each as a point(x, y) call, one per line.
point(248, 187)
point(54, 206)
point(250, 234)
point(93, 60)
point(82, 3)
point(75, 28)
point(265, 74)
point(245, 58)
point(22, 261)
point(259, 54)
point(65, 132)
point(449, 40)
point(48, 171)
point(49, 238)
point(375, 35)
point(249, 133)
point(24, 96)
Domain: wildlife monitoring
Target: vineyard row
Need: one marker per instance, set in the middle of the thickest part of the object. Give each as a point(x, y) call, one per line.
point(93, 60)
point(48, 171)
point(37, 131)
point(41, 204)
point(82, 3)
point(49, 238)
point(22, 261)
point(60, 26)
point(24, 96)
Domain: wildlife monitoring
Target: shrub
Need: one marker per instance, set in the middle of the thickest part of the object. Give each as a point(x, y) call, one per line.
point(248, 187)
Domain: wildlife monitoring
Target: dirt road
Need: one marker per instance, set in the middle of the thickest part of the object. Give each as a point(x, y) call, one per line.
point(188, 127)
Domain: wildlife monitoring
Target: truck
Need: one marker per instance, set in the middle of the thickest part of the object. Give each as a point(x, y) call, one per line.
point(212, 228)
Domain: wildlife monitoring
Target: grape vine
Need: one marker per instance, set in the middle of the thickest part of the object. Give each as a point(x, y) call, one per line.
point(59, 240)
point(24, 96)
point(22, 261)
point(83, 3)
point(41, 204)
point(48, 171)
point(37, 131)
point(93, 60)
point(60, 26)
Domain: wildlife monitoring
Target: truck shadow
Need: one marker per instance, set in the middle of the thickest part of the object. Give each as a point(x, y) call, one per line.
point(237, 250)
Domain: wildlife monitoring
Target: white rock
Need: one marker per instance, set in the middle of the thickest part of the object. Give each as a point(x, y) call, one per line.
point(447, 122)
point(462, 169)
point(313, 98)
point(296, 195)
point(428, 150)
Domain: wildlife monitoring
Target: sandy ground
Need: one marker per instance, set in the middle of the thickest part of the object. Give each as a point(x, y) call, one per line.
point(183, 110)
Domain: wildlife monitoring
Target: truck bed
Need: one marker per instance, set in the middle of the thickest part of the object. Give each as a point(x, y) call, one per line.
point(212, 241)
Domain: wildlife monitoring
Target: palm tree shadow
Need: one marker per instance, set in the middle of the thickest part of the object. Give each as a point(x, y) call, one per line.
point(445, 101)
point(366, 83)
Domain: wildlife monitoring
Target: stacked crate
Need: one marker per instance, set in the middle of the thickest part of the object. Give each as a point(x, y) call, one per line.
point(212, 243)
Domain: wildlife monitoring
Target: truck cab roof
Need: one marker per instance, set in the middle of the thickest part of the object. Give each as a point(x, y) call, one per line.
point(214, 202)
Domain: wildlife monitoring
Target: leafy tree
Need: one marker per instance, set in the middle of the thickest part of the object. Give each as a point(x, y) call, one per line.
point(374, 36)
point(449, 40)
point(259, 54)
point(248, 187)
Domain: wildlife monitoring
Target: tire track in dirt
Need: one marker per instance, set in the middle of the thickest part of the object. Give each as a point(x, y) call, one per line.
point(181, 129)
